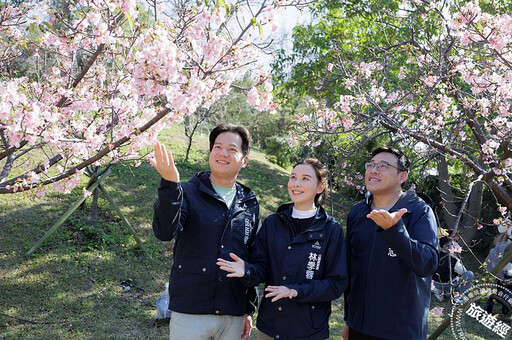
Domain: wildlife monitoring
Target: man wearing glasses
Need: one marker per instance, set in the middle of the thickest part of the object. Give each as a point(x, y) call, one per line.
point(391, 255)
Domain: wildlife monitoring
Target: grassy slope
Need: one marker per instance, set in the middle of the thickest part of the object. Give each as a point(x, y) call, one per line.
point(71, 287)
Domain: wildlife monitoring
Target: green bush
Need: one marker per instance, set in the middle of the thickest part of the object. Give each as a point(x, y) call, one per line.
point(278, 151)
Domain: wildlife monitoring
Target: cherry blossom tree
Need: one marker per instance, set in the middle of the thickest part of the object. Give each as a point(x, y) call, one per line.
point(440, 84)
point(99, 80)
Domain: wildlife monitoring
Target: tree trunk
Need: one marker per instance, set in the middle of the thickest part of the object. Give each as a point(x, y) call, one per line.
point(471, 217)
point(449, 212)
point(189, 146)
point(94, 208)
point(7, 167)
point(190, 130)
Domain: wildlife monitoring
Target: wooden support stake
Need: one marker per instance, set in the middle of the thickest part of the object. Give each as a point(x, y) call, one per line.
point(123, 218)
point(66, 215)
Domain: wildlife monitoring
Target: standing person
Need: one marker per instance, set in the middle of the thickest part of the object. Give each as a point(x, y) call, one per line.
point(505, 231)
point(210, 216)
point(299, 253)
point(391, 255)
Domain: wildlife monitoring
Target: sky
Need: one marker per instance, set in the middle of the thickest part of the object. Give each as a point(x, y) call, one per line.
point(286, 19)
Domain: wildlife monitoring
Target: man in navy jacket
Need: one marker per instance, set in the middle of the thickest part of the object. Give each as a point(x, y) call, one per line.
point(391, 255)
point(210, 216)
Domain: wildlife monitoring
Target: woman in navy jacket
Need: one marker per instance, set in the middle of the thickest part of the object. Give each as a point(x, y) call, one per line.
point(299, 254)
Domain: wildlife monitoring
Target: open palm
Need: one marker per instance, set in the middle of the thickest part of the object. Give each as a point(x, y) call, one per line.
point(164, 163)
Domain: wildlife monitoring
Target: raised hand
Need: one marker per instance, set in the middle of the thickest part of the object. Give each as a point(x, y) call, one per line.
point(164, 163)
point(279, 292)
point(236, 268)
point(385, 219)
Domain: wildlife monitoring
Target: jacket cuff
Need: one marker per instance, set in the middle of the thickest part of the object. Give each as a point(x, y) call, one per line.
point(395, 236)
point(247, 272)
point(169, 184)
point(394, 229)
point(298, 289)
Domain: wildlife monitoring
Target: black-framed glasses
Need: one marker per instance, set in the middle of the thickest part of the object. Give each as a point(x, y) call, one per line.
point(380, 166)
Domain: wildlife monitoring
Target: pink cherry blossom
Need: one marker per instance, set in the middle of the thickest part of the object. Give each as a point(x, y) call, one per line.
point(456, 102)
point(139, 82)
point(437, 310)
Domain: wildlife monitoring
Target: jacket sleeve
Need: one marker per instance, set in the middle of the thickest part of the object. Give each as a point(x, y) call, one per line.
point(416, 245)
point(348, 252)
point(252, 293)
point(334, 280)
point(170, 210)
point(257, 268)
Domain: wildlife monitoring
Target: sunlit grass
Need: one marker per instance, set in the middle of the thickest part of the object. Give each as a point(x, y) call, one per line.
point(71, 286)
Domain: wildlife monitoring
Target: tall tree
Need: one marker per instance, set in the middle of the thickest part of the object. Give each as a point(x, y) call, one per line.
point(430, 75)
point(105, 79)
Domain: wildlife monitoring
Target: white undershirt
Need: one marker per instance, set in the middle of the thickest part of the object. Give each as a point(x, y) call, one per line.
point(302, 214)
point(386, 208)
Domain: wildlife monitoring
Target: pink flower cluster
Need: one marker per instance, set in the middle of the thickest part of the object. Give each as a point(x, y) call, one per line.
point(455, 100)
point(114, 82)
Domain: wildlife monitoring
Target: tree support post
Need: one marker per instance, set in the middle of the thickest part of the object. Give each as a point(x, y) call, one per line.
point(123, 218)
point(94, 183)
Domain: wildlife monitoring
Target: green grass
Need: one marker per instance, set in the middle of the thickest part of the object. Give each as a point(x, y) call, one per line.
point(71, 287)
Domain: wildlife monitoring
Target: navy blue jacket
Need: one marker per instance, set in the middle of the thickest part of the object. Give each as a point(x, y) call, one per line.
point(205, 229)
point(391, 270)
point(312, 262)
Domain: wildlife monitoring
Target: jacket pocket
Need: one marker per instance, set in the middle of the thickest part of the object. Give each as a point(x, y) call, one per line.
point(193, 266)
point(320, 315)
point(191, 278)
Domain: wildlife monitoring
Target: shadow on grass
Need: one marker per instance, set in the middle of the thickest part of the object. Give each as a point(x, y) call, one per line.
point(71, 286)
point(51, 298)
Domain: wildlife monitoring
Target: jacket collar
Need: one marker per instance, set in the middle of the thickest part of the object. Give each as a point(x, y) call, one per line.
point(318, 223)
point(405, 199)
point(202, 180)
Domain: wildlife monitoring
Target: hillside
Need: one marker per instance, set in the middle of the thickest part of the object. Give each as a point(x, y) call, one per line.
point(72, 287)
point(93, 282)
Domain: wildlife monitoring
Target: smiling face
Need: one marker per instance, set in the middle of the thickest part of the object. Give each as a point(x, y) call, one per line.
point(303, 186)
point(226, 158)
point(386, 182)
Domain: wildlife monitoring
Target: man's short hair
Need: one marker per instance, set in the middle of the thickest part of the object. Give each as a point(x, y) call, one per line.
point(238, 129)
point(403, 161)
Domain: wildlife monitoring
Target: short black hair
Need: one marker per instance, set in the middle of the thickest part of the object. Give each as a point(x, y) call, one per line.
point(238, 129)
point(403, 161)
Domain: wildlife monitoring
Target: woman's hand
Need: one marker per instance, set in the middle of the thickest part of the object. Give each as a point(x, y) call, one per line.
point(236, 268)
point(279, 292)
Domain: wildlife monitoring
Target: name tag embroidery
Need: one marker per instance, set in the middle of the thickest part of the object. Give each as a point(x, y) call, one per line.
point(312, 265)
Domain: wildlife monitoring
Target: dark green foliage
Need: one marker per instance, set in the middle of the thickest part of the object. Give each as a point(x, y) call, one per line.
point(278, 151)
